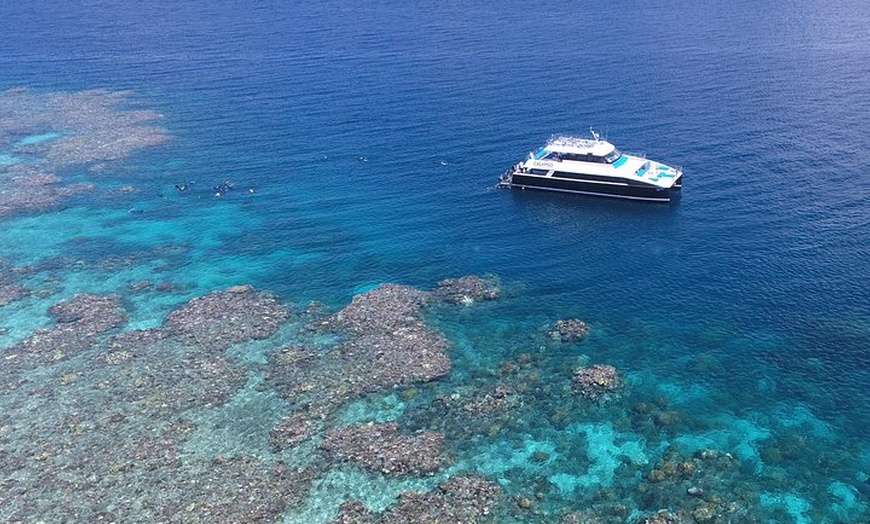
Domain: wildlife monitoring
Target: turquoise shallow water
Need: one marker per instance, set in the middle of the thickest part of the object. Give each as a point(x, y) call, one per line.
point(364, 143)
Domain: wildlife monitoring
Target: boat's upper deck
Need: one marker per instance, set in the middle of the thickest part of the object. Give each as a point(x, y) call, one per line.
point(579, 146)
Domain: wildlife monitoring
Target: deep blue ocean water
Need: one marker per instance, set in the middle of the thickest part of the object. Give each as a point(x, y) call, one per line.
point(373, 135)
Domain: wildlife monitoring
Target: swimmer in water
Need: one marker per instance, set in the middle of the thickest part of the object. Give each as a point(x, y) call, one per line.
point(223, 187)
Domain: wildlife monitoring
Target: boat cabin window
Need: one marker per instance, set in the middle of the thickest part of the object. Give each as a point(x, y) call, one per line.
point(576, 157)
point(613, 156)
point(584, 158)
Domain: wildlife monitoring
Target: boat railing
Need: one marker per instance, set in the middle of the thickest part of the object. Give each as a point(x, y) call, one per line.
point(506, 177)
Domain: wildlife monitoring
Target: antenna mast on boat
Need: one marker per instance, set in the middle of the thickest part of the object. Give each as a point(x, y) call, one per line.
point(594, 134)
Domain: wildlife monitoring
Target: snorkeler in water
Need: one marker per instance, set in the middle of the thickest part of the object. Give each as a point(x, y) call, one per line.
point(223, 187)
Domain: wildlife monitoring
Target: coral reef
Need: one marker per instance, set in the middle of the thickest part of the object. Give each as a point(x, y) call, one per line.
point(568, 330)
point(386, 308)
point(29, 189)
point(484, 408)
point(467, 412)
point(596, 382)
point(380, 447)
point(467, 498)
point(385, 344)
point(502, 397)
point(467, 290)
point(11, 293)
point(99, 425)
point(89, 125)
point(99, 433)
point(47, 133)
point(662, 517)
point(78, 322)
point(291, 431)
point(223, 318)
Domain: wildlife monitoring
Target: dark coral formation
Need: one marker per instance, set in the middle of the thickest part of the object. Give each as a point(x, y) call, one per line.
point(380, 447)
point(389, 336)
point(11, 287)
point(79, 321)
point(379, 341)
point(11, 293)
point(662, 517)
point(386, 308)
point(597, 382)
point(462, 499)
point(223, 318)
point(29, 189)
point(486, 408)
point(385, 344)
point(569, 330)
point(467, 290)
point(291, 431)
point(676, 482)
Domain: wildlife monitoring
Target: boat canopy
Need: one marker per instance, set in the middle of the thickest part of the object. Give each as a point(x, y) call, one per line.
point(580, 146)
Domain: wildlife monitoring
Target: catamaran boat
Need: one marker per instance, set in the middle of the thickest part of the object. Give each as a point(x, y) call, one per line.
point(593, 166)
